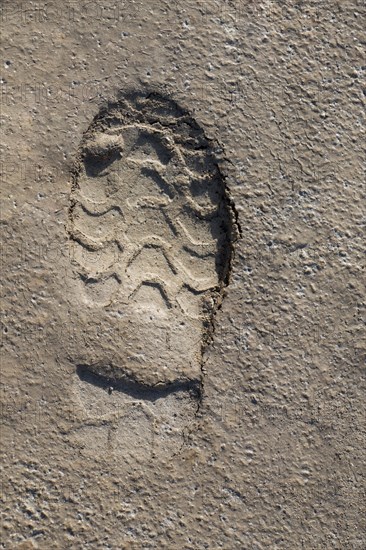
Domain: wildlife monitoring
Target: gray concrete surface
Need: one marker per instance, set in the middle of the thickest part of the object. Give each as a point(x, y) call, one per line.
point(271, 456)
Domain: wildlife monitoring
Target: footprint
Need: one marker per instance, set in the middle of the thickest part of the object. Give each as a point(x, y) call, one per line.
point(151, 234)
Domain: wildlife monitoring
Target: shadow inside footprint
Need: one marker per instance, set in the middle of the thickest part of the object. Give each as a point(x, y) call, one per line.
point(134, 389)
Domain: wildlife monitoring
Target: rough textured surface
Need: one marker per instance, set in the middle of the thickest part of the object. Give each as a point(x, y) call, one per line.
point(272, 455)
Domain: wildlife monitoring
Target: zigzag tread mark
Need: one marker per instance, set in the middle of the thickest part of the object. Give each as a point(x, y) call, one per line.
point(93, 244)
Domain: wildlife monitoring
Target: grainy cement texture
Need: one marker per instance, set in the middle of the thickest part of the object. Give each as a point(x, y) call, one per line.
point(269, 453)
